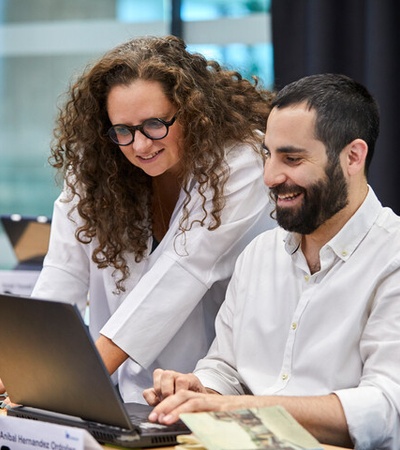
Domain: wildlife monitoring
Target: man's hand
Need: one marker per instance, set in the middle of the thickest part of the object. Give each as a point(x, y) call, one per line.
point(184, 401)
point(168, 382)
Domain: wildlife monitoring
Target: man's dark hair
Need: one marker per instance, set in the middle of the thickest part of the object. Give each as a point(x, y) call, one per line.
point(345, 110)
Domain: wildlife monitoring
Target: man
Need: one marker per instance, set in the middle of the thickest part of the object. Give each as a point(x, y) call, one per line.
point(312, 313)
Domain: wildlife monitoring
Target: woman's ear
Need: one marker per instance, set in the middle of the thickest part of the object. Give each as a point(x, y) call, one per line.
point(355, 155)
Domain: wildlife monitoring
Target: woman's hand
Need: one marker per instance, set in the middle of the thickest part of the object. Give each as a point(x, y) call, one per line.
point(4, 398)
point(2, 388)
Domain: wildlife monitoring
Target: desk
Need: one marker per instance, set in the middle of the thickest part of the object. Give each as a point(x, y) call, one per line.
point(331, 447)
point(325, 447)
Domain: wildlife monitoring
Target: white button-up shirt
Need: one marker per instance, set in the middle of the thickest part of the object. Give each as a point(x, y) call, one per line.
point(166, 316)
point(285, 331)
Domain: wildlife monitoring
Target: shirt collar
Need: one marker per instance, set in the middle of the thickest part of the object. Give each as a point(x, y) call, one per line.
point(353, 232)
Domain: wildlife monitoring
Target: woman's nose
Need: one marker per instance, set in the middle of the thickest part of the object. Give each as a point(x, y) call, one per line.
point(141, 143)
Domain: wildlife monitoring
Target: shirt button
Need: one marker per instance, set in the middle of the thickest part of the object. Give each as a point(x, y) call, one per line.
point(285, 376)
point(344, 253)
point(306, 277)
point(294, 325)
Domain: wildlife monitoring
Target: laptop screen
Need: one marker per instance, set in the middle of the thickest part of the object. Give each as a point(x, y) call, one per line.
point(29, 239)
point(54, 370)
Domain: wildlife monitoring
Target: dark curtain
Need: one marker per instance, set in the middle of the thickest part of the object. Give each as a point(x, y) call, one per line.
point(358, 38)
point(176, 27)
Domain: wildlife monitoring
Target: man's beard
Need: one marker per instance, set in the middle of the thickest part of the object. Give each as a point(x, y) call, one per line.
point(321, 201)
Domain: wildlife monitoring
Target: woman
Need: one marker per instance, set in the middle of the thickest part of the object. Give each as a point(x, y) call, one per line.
point(163, 189)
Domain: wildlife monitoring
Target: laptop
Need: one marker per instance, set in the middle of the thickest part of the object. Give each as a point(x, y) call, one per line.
point(50, 366)
point(29, 239)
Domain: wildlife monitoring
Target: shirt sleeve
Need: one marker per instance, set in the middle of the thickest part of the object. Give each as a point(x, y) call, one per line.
point(65, 273)
point(168, 292)
point(372, 408)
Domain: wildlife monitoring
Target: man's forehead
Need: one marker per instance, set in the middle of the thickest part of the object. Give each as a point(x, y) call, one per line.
point(292, 123)
point(294, 111)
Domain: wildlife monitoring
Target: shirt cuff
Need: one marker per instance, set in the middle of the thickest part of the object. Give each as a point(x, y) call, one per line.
point(368, 415)
point(226, 384)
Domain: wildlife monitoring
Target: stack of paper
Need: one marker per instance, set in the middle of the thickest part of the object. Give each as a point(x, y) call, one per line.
point(249, 429)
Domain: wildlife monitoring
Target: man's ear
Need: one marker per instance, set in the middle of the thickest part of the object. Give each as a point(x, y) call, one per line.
point(355, 155)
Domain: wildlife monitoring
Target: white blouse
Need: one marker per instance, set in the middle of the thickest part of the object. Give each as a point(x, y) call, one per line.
point(165, 318)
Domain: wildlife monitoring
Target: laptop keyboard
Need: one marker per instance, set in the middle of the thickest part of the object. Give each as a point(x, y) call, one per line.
point(141, 421)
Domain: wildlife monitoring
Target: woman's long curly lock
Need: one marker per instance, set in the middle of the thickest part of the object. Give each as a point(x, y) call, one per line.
point(215, 107)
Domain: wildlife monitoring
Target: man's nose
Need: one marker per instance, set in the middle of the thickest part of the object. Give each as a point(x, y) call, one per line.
point(274, 173)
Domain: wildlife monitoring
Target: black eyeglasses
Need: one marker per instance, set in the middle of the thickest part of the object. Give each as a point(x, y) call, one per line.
point(153, 128)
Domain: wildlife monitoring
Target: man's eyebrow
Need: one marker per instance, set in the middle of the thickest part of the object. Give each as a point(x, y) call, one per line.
point(290, 149)
point(287, 149)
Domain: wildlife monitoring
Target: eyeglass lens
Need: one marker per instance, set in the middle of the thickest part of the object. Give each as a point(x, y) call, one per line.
point(152, 128)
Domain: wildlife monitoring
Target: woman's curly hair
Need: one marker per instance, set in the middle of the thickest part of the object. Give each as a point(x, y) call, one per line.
point(214, 106)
